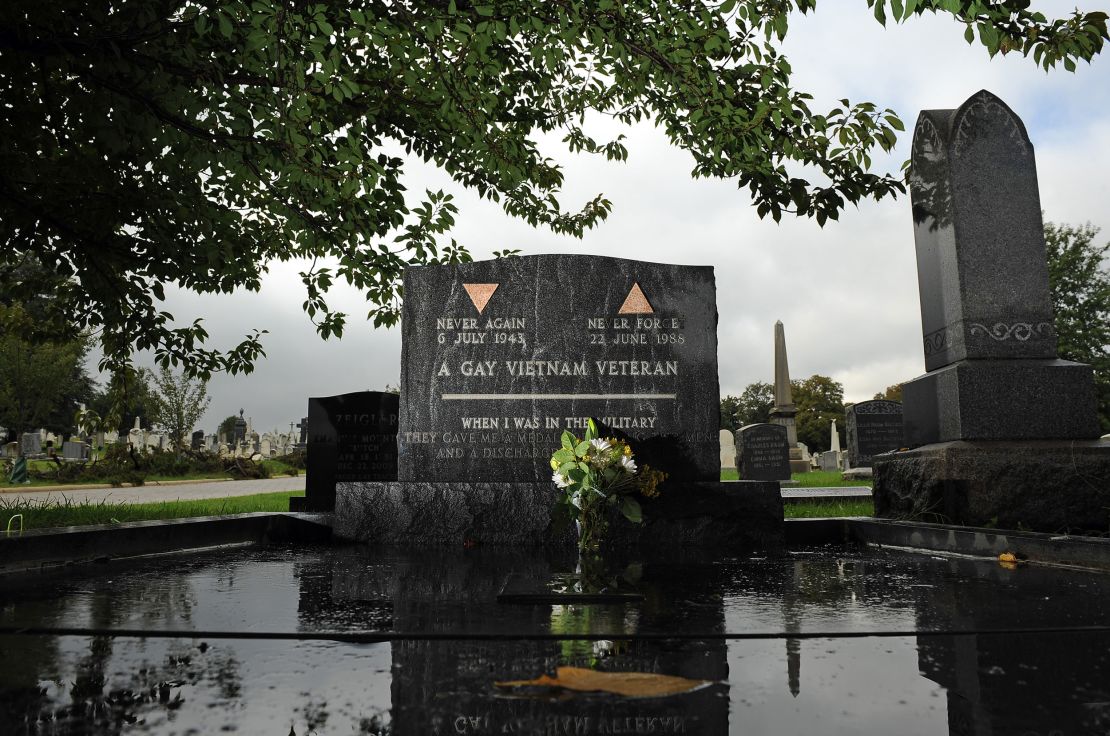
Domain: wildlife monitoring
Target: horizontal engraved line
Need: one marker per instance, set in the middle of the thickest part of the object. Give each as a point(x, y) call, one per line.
point(542, 397)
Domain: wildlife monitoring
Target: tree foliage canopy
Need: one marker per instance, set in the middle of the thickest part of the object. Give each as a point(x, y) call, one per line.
point(158, 142)
point(181, 402)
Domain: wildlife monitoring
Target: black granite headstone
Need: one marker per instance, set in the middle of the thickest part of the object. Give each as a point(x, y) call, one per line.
point(986, 311)
point(351, 437)
point(500, 357)
point(999, 430)
point(872, 427)
point(197, 440)
point(763, 452)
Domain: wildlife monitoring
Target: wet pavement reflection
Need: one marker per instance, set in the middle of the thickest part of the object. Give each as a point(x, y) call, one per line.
point(817, 640)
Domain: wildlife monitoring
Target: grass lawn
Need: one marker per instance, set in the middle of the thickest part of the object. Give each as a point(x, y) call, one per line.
point(813, 479)
point(276, 468)
point(824, 509)
point(38, 514)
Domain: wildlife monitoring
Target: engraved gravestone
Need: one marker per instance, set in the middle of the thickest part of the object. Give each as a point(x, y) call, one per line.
point(500, 357)
point(872, 427)
point(351, 437)
point(31, 443)
point(763, 452)
point(75, 450)
point(999, 430)
point(986, 312)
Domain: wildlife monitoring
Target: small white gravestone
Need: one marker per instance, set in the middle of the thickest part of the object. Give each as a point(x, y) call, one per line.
point(834, 438)
point(728, 450)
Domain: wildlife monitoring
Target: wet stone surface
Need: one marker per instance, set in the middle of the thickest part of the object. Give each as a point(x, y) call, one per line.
point(950, 649)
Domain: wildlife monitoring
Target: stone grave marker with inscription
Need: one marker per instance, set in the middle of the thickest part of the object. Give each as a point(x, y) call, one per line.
point(351, 437)
point(763, 452)
point(500, 357)
point(999, 429)
point(75, 450)
point(872, 427)
point(31, 443)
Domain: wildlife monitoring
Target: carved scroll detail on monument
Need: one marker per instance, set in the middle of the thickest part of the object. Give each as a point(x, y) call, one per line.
point(937, 341)
point(926, 139)
point(1020, 331)
point(988, 106)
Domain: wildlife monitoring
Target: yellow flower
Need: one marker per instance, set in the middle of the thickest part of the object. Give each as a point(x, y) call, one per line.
point(627, 450)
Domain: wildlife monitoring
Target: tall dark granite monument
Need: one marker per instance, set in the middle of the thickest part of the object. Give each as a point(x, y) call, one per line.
point(500, 357)
point(872, 427)
point(1004, 431)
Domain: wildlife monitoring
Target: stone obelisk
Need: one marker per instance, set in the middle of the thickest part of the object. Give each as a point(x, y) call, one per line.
point(784, 410)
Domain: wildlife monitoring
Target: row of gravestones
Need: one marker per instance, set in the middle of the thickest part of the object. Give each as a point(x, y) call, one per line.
point(873, 427)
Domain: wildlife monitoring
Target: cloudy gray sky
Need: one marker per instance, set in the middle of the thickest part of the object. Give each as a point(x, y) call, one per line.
point(847, 293)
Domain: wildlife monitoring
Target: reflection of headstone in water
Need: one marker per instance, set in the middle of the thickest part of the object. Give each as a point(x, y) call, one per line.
point(437, 682)
point(1009, 683)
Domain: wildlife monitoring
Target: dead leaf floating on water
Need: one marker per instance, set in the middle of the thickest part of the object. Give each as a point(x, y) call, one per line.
point(628, 684)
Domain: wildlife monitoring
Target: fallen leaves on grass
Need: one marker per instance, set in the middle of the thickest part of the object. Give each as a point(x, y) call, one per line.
point(628, 684)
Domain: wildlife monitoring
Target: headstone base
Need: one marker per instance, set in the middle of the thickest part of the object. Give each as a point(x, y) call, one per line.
point(719, 515)
point(1000, 400)
point(1049, 486)
point(799, 466)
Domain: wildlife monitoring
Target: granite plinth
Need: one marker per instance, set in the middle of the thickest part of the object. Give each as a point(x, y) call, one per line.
point(1001, 400)
point(1046, 486)
point(696, 514)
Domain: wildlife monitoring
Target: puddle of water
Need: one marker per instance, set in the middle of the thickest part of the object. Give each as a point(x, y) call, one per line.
point(913, 683)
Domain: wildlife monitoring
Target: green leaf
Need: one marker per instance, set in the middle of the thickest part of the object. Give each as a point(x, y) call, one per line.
point(568, 440)
point(630, 507)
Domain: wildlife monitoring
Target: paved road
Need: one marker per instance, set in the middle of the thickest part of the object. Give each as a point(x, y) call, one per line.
point(155, 493)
